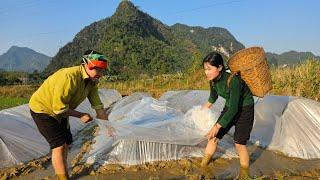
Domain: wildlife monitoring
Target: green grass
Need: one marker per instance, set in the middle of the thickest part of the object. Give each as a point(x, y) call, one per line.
point(7, 102)
point(11, 96)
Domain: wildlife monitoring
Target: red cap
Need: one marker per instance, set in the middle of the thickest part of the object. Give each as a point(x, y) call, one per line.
point(97, 64)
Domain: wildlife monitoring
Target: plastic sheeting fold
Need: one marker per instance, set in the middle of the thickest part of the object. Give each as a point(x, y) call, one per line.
point(172, 127)
point(20, 140)
point(151, 130)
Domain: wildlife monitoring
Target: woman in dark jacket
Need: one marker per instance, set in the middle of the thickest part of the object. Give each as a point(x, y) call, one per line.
point(238, 110)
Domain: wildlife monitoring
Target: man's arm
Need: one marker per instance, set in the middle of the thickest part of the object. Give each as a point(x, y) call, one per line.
point(84, 117)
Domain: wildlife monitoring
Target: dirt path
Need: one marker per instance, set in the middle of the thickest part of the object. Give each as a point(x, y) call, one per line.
point(264, 165)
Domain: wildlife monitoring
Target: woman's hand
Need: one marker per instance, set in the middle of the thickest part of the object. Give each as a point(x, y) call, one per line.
point(214, 131)
point(207, 105)
point(111, 131)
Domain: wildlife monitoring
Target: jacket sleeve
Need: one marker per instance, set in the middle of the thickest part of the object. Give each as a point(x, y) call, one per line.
point(235, 93)
point(94, 98)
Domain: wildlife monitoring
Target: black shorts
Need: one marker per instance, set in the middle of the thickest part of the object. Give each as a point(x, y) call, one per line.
point(243, 122)
point(56, 134)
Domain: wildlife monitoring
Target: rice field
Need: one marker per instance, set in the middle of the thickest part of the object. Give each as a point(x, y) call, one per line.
point(299, 80)
point(11, 96)
point(7, 102)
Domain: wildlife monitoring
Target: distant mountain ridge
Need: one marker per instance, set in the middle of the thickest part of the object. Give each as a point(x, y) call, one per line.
point(137, 43)
point(290, 58)
point(209, 39)
point(23, 59)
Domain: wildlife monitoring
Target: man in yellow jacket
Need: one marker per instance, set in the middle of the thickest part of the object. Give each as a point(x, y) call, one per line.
point(56, 100)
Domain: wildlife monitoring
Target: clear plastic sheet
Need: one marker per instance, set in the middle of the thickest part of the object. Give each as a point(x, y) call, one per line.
point(186, 99)
point(120, 108)
point(170, 128)
point(152, 131)
point(297, 133)
point(286, 124)
point(109, 96)
point(20, 140)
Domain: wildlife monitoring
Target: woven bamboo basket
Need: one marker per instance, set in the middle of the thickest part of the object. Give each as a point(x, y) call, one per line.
point(252, 65)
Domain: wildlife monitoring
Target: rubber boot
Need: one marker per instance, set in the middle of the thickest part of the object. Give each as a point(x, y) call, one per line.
point(62, 177)
point(244, 173)
point(205, 160)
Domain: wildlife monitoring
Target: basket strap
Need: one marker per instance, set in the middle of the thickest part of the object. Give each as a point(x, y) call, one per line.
point(230, 78)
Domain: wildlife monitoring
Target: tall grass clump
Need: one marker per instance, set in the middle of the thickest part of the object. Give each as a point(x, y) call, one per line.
point(299, 80)
point(157, 85)
point(17, 91)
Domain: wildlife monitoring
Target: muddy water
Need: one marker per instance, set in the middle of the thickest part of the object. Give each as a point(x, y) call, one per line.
point(264, 165)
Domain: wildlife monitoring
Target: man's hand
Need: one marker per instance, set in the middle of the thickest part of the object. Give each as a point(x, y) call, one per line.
point(101, 114)
point(85, 118)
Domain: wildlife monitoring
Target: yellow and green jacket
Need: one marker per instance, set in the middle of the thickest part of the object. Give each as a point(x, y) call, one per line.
point(65, 90)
